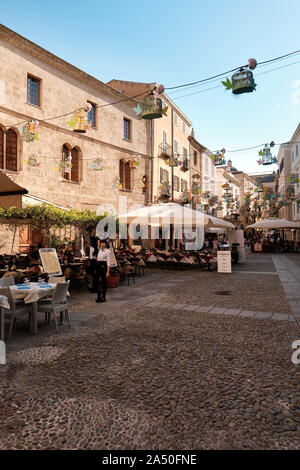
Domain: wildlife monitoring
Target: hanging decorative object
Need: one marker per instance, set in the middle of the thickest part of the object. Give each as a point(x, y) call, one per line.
point(252, 64)
point(135, 162)
point(98, 164)
point(227, 187)
point(64, 165)
point(78, 122)
point(116, 184)
point(173, 161)
point(160, 89)
point(151, 108)
point(33, 160)
point(266, 156)
point(29, 131)
point(196, 188)
point(219, 159)
point(242, 81)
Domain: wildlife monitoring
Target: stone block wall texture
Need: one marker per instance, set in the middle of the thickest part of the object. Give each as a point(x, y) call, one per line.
point(63, 89)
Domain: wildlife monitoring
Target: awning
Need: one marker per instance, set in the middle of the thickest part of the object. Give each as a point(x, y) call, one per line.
point(10, 192)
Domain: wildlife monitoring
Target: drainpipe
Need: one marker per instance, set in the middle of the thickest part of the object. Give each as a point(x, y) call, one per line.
point(152, 157)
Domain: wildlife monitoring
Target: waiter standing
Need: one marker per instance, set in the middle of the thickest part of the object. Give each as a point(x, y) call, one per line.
point(102, 269)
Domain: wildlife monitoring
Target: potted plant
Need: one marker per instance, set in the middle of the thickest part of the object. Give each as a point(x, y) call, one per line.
point(113, 279)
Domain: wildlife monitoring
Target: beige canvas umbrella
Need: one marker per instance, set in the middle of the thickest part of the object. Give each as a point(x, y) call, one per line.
point(172, 213)
point(274, 223)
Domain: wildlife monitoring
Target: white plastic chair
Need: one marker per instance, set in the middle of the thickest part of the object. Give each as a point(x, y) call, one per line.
point(16, 310)
point(7, 281)
point(57, 304)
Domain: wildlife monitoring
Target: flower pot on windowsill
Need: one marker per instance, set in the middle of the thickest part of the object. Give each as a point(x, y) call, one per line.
point(113, 281)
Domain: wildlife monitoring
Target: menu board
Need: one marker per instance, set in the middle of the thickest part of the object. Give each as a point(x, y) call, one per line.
point(113, 260)
point(50, 261)
point(224, 261)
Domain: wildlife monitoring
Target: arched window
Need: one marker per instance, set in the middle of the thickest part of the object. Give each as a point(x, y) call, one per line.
point(195, 158)
point(125, 174)
point(11, 157)
point(66, 152)
point(71, 173)
point(1, 148)
point(75, 165)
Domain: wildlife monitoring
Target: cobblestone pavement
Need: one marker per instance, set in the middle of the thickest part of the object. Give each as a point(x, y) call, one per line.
point(130, 375)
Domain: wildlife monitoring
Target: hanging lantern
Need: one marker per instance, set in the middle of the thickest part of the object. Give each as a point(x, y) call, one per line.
point(65, 165)
point(98, 164)
point(33, 160)
point(242, 82)
point(78, 122)
point(29, 131)
point(266, 156)
point(219, 159)
point(173, 161)
point(151, 107)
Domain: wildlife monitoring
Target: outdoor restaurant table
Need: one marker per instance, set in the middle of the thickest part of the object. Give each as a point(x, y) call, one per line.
point(32, 293)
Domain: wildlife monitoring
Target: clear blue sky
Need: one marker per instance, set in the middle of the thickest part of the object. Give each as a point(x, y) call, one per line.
point(174, 42)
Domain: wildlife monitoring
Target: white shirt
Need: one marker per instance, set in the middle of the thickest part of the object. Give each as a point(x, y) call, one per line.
point(104, 255)
point(92, 249)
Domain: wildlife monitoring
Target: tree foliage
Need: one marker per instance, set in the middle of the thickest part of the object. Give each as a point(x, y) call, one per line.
point(44, 216)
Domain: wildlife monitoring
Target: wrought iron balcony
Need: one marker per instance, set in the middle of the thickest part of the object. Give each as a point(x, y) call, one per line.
point(185, 164)
point(164, 150)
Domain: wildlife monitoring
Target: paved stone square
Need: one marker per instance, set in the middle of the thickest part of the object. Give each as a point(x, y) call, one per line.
point(185, 367)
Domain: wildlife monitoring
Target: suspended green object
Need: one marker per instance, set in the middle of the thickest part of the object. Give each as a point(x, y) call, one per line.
point(242, 82)
point(151, 107)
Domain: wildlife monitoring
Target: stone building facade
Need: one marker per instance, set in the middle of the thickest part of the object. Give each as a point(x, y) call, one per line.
point(170, 137)
point(37, 85)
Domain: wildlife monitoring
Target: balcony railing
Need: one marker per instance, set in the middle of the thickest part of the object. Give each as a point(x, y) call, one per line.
point(164, 150)
point(185, 164)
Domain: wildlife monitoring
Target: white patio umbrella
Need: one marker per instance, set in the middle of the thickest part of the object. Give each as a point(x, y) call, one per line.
point(275, 223)
point(172, 213)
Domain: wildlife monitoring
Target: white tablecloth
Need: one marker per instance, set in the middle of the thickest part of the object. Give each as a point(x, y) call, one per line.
point(33, 294)
point(4, 302)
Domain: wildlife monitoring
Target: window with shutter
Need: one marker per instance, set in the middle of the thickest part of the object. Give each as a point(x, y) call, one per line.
point(11, 150)
point(66, 150)
point(161, 175)
point(75, 165)
point(1, 148)
point(33, 90)
point(127, 176)
point(122, 173)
